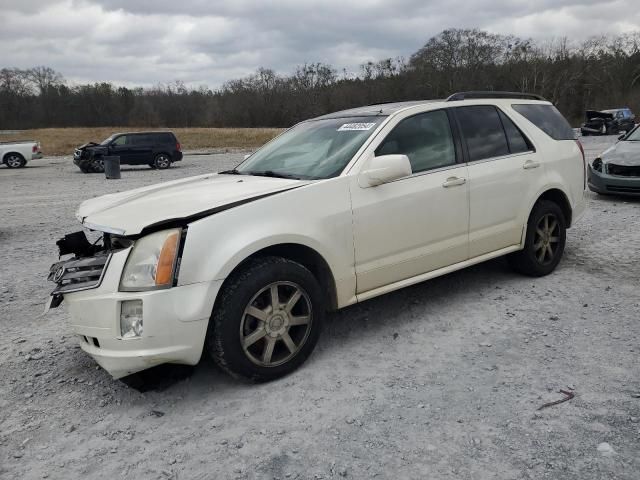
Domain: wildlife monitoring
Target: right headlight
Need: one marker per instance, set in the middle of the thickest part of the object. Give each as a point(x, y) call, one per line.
point(152, 262)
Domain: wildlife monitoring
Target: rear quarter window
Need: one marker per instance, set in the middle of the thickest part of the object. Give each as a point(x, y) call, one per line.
point(548, 119)
point(163, 138)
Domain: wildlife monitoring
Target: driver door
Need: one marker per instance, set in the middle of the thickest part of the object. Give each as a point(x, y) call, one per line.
point(416, 224)
point(120, 147)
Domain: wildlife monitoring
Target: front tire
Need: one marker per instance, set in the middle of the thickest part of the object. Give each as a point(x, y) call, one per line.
point(97, 165)
point(544, 243)
point(14, 160)
point(267, 320)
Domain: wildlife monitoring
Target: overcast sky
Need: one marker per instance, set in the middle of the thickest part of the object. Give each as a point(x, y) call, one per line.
point(206, 42)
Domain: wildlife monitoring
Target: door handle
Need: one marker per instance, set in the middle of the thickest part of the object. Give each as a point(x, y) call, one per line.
point(529, 164)
point(454, 181)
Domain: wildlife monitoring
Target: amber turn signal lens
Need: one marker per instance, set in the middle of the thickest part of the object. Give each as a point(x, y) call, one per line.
point(164, 271)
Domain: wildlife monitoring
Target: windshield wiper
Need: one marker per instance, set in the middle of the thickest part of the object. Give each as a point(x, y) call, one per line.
point(271, 173)
point(231, 172)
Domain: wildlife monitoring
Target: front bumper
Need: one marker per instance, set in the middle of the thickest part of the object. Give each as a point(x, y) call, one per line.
point(175, 322)
point(611, 184)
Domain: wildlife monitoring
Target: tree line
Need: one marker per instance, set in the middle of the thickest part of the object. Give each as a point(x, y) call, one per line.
point(598, 73)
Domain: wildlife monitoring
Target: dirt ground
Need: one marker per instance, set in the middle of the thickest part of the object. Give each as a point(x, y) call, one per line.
point(63, 141)
point(441, 380)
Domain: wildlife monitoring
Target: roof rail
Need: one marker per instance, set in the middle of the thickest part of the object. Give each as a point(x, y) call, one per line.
point(478, 94)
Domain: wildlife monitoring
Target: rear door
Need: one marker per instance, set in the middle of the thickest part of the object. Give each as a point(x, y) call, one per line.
point(142, 148)
point(502, 167)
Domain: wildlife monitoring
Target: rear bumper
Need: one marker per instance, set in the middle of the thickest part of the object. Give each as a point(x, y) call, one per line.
point(613, 185)
point(37, 156)
point(177, 156)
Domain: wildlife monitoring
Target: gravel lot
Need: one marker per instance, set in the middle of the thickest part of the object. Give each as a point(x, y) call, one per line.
point(440, 380)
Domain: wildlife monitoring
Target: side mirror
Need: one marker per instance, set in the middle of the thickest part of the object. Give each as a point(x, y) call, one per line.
point(385, 169)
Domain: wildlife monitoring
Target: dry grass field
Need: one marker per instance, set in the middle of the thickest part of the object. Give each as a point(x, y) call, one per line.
point(62, 141)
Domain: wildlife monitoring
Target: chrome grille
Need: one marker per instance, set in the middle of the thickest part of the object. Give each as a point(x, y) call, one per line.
point(78, 274)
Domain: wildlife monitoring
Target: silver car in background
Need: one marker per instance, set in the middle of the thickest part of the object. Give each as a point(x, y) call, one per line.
point(617, 169)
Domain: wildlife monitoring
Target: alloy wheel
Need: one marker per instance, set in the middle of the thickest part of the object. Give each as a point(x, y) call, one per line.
point(547, 239)
point(275, 324)
point(162, 161)
point(14, 161)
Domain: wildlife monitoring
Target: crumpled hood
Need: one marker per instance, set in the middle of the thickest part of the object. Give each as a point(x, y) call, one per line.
point(128, 213)
point(86, 145)
point(623, 153)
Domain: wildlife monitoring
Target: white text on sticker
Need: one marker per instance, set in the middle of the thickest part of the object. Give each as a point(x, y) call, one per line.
point(356, 126)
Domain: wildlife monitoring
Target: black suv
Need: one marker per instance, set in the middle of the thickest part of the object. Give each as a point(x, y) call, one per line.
point(608, 122)
point(156, 149)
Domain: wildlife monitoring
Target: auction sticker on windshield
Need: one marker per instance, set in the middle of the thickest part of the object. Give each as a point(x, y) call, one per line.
point(356, 126)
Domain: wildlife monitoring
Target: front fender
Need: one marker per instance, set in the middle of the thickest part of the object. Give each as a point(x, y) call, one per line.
point(317, 216)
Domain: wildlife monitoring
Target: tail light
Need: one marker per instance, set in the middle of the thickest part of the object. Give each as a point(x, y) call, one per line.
point(34, 149)
point(178, 147)
point(584, 165)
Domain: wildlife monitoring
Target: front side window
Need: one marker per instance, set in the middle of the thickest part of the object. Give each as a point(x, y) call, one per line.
point(121, 140)
point(483, 132)
point(312, 150)
point(425, 138)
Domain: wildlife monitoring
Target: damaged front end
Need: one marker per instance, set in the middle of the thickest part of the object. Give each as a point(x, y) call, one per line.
point(85, 267)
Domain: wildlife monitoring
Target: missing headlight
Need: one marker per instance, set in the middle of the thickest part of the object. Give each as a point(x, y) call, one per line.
point(597, 165)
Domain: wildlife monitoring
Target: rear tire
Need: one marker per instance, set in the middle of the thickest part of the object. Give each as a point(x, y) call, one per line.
point(14, 160)
point(266, 320)
point(544, 243)
point(162, 161)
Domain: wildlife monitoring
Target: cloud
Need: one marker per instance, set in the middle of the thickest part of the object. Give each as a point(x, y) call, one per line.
point(146, 42)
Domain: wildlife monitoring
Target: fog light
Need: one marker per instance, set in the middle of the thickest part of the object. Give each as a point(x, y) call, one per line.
point(131, 318)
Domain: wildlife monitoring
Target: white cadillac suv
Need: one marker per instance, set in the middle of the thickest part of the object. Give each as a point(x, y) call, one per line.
point(243, 264)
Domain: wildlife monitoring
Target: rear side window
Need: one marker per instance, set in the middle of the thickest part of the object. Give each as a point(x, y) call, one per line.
point(162, 138)
point(518, 143)
point(548, 119)
point(483, 132)
point(137, 139)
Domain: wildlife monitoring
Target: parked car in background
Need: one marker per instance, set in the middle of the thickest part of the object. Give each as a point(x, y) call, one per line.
point(608, 122)
point(617, 169)
point(17, 154)
point(244, 264)
point(156, 149)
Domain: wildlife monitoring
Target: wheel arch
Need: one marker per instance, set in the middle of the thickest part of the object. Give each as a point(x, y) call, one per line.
point(304, 255)
point(6, 156)
point(560, 198)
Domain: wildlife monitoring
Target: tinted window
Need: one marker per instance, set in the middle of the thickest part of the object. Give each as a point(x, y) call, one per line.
point(483, 132)
point(517, 141)
point(161, 138)
point(425, 138)
point(139, 139)
point(548, 119)
point(121, 140)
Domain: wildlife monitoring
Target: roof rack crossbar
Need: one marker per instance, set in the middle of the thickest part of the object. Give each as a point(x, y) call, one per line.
point(486, 94)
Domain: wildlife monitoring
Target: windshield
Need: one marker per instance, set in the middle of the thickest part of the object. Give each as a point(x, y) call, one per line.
point(312, 150)
point(633, 135)
point(107, 140)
